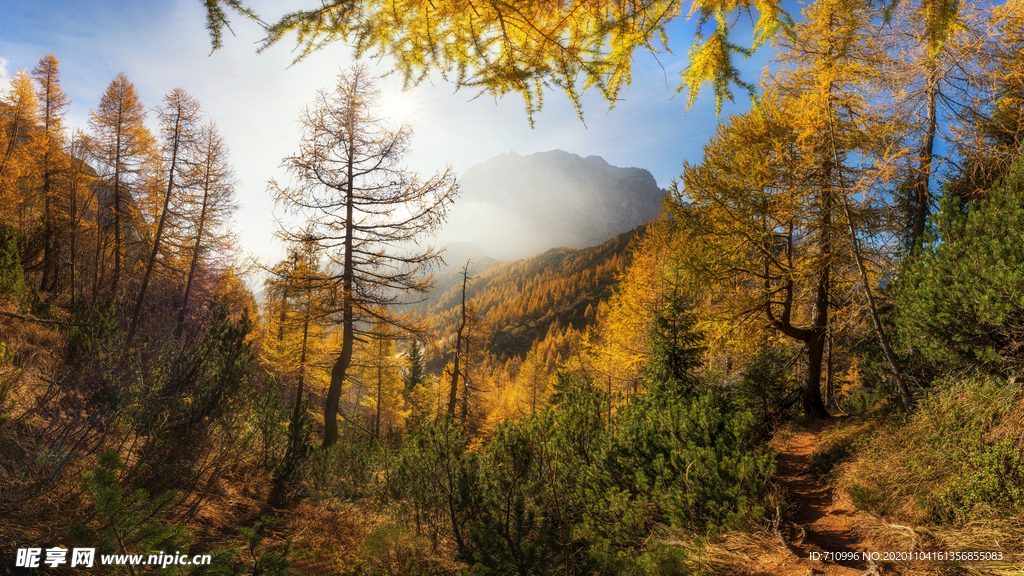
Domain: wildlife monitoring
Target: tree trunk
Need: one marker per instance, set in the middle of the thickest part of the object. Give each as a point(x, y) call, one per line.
point(15, 130)
point(922, 196)
point(380, 386)
point(340, 368)
point(195, 256)
point(453, 393)
point(73, 232)
point(97, 263)
point(465, 378)
point(117, 215)
point(890, 356)
point(297, 410)
point(829, 374)
point(815, 346)
point(49, 280)
point(813, 406)
point(338, 372)
point(883, 339)
point(282, 316)
point(137, 312)
point(813, 336)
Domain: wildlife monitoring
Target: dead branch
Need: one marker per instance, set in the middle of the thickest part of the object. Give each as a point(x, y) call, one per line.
point(778, 533)
point(29, 318)
point(874, 570)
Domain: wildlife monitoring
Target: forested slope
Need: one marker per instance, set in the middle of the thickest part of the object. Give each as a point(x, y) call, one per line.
point(518, 302)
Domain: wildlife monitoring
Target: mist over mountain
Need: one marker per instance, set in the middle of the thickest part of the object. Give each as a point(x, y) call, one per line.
point(515, 206)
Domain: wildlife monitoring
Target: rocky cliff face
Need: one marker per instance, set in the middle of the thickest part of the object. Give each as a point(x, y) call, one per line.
point(515, 206)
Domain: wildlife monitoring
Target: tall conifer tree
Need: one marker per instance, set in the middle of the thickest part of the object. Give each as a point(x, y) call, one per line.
point(120, 144)
point(365, 211)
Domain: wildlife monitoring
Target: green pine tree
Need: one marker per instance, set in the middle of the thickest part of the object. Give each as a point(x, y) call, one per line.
point(674, 349)
point(960, 298)
point(127, 523)
point(416, 375)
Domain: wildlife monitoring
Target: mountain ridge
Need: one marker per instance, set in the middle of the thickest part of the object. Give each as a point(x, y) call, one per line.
point(514, 206)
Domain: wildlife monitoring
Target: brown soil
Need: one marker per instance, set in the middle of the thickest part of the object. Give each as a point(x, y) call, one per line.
point(816, 521)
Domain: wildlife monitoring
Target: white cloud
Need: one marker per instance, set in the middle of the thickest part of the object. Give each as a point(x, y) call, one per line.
point(5, 76)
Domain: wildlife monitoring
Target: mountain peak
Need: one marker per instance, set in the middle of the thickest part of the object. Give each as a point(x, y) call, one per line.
point(513, 205)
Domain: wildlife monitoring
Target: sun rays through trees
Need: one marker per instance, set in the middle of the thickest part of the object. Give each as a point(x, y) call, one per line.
point(364, 210)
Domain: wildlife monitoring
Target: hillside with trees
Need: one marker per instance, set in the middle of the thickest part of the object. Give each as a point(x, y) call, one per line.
point(808, 363)
point(518, 302)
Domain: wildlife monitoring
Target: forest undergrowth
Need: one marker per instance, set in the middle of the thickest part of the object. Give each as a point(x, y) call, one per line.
point(671, 465)
point(660, 405)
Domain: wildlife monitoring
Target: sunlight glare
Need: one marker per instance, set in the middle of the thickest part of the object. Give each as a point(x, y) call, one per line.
point(399, 106)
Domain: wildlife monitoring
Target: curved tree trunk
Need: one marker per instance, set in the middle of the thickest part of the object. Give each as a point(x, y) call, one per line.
point(341, 365)
point(195, 256)
point(137, 312)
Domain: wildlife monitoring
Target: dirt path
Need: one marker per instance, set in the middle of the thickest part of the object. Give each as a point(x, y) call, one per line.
point(816, 521)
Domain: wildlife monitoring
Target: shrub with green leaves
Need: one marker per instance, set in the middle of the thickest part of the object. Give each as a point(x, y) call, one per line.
point(127, 523)
point(960, 299)
point(684, 448)
point(391, 550)
point(349, 470)
point(268, 419)
point(766, 388)
point(575, 489)
point(255, 556)
point(12, 277)
point(266, 560)
point(181, 398)
point(514, 530)
point(438, 480)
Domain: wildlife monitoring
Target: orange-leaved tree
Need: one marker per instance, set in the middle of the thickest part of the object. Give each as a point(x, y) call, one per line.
point(786, 212)
point(365, 211)
point(120, 145)
point(19, 117)
point(525, 46)
point(52, 102)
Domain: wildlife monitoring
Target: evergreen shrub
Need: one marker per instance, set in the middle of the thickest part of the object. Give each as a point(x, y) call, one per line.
point(12, 276)
point(960, 298)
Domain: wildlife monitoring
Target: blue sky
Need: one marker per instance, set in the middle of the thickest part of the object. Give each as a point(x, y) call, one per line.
point(255, 99)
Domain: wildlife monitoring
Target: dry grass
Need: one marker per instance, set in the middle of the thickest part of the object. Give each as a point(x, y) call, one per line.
point(27, 361)
point(31, 348)
point(327, 537)
point(943, 481)
point(933, 468)
point(337, 537)
point(735, 553)
point(839, 442)
point(782, 434)
point(1006, 536)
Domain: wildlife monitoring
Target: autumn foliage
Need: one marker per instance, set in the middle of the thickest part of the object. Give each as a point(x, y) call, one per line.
point(373, 409)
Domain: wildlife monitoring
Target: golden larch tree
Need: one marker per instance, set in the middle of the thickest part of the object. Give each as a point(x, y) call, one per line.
point(120, 145)
point(364, 210)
